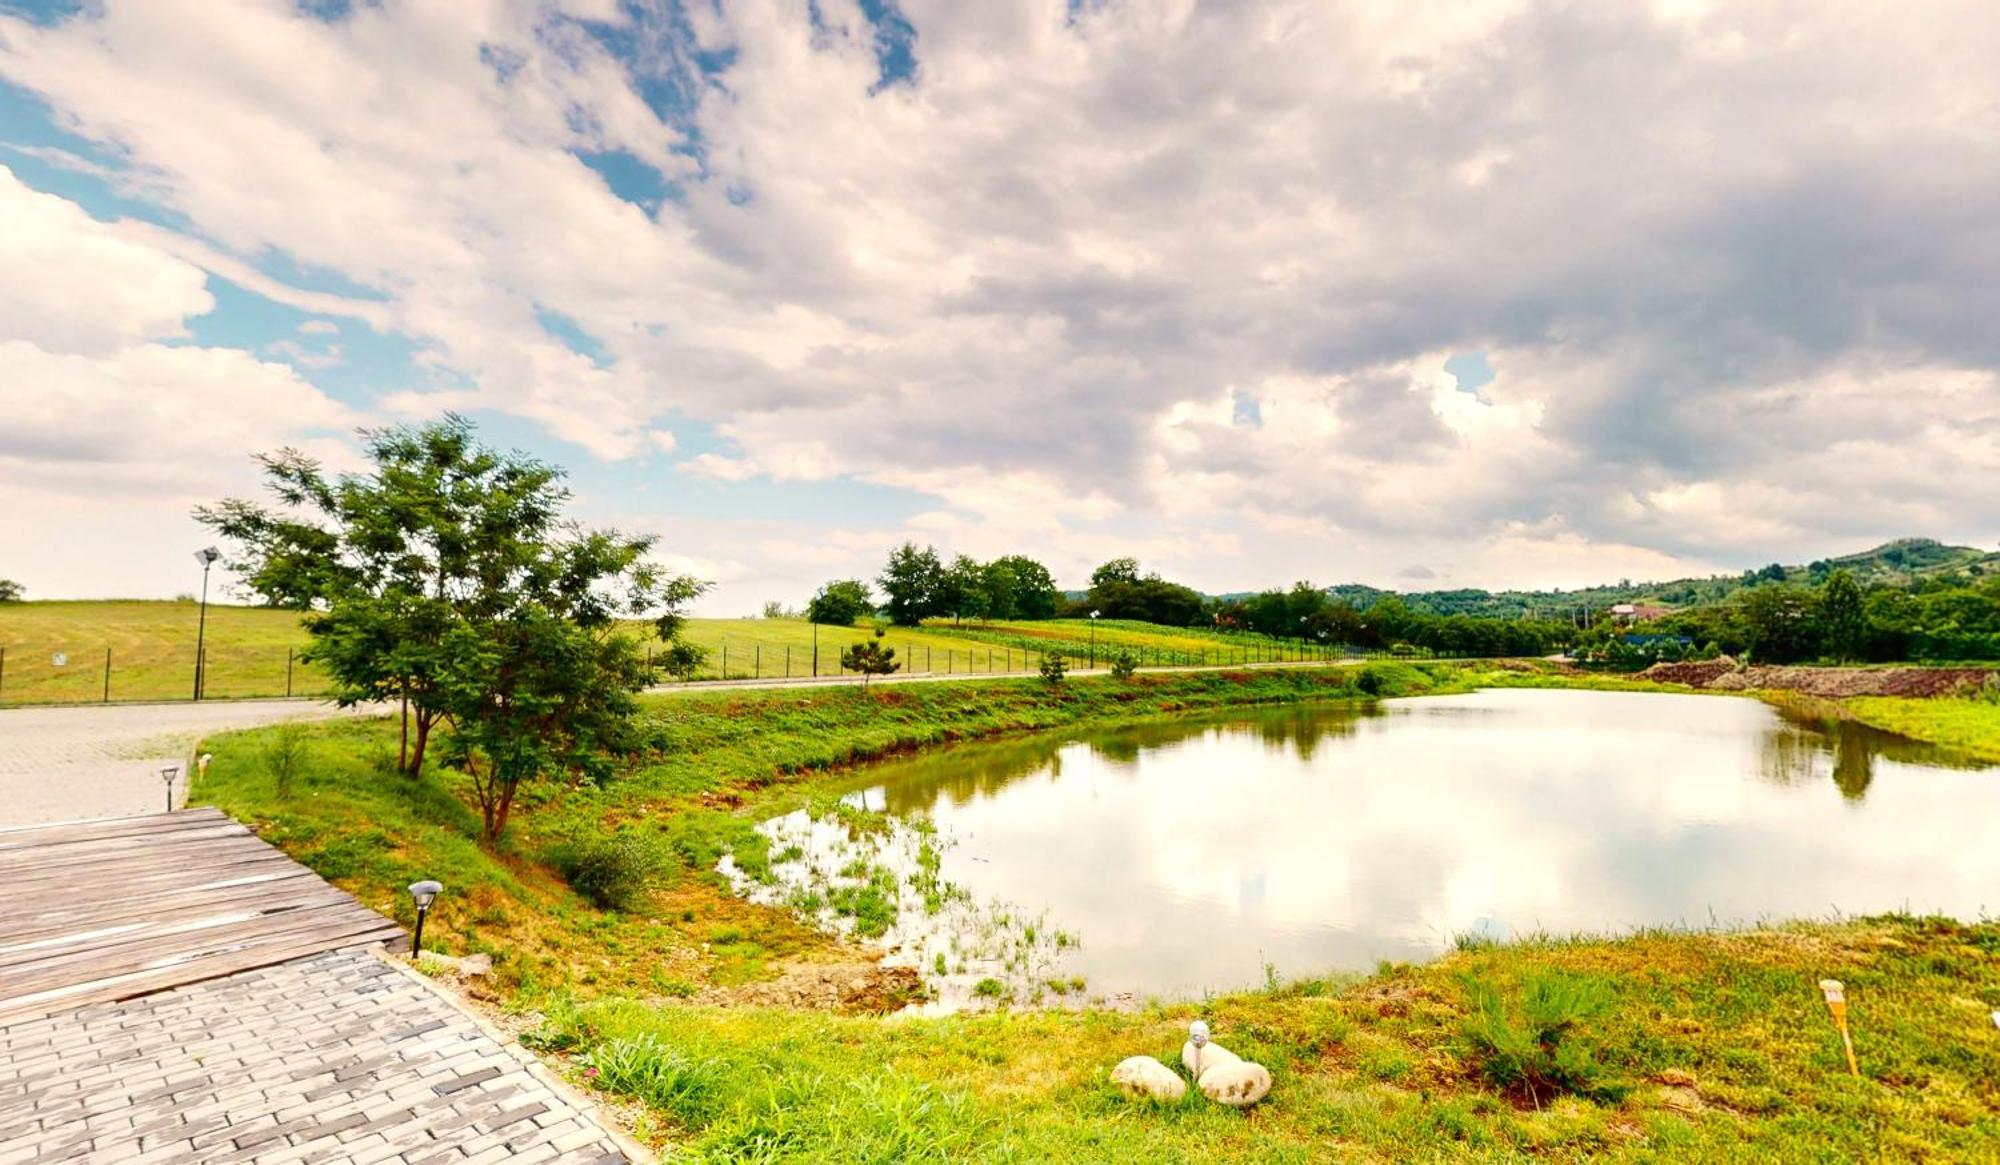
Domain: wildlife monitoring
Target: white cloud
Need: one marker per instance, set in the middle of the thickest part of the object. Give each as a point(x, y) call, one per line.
point(1732, 267)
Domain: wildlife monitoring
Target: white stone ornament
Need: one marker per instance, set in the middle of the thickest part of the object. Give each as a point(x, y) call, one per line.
point(1144, 1078)
point(1238, 1084)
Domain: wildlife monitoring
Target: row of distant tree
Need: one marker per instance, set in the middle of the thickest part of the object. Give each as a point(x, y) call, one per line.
point(1840, 620)
point(917, 584)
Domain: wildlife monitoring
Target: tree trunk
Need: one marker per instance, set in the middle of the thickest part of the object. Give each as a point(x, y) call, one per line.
point(494, 808)
point(425, 719)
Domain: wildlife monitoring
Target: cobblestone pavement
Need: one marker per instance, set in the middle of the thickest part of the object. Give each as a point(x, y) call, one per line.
point(337, 1057)
point(61, 764)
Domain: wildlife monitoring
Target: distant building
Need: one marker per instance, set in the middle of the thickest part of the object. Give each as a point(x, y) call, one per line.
point(1638, 612)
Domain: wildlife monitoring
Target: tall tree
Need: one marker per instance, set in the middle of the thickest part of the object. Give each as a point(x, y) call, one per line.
point(1033, 589)
point(11, 591)
point(395, 566)
point(961, 591)
point(910, 583)
point(839, 603)
point(1843, 617)
point(1118, 570)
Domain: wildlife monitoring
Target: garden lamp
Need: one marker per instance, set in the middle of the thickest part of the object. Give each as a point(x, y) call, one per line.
point(167, 776)
point(1093, 637)
point(423, 894)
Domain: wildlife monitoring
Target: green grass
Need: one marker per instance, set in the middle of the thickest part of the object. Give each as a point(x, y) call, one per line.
point(1971, 726)
point(152, 649)
point(1673, 1045)
point(1718, 1045)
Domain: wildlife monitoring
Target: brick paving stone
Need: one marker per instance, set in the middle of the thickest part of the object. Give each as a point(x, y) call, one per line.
point(336, 1057)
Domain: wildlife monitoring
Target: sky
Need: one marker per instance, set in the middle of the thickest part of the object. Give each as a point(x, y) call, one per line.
point(1481, 293)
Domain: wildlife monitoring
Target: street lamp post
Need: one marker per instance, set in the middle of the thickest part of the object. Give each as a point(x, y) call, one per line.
point(167, 776)
point(423, 894)
point(1093, 637)
point(206, 557)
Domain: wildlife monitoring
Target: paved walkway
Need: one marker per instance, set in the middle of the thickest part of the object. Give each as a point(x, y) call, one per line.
point(336, 1057)
point(69, 763)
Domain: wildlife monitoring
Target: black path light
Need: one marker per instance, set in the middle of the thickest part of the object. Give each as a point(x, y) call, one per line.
point(1093, 637)
point(206, 557)
point(167, 776)
point(423, 894)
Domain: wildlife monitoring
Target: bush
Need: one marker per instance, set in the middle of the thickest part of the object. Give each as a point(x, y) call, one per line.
point(285, 754)
point(1520, 1038)
point(1370, 682)
point(1123, 665)
point(1054, 668)
point(613, 873)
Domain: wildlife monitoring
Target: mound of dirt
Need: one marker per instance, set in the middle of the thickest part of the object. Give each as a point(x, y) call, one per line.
point(1829, 682)
point(848, 987)
point(1695, 673)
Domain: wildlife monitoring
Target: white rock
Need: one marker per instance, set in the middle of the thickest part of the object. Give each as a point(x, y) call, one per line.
point(1238, 1084)
point(1143, 1077)
point(1198, 1060)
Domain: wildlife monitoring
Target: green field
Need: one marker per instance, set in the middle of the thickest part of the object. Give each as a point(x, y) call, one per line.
point(1699, 1046)
point(252, 651)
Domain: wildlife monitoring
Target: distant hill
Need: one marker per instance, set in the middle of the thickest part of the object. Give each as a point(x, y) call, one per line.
point(1897, 563)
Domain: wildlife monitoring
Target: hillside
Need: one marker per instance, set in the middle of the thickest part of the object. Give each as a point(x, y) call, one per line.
point(1897, 563)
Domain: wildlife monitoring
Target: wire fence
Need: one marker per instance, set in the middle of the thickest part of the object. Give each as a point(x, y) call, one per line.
point(107, 675)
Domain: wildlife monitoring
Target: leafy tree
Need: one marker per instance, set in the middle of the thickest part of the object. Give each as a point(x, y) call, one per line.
point(1843, 617)
point(1118, 570)
point(962, 592)
point(1123, 664)
point(870, 658)
point(1054, 668)
point(11, 591)
point(415, 574)
point(910, 584)
point(840, 603)
point(997, 590)
point(1032, 592)
point(1781, 624)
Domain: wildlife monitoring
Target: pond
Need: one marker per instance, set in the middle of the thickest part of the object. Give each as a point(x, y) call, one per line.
point(1173, 858)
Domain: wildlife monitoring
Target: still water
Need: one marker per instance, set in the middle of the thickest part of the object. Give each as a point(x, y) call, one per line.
point(1189, 855)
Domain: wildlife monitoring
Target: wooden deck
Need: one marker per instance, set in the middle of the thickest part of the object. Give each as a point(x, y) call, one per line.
point(106, 910)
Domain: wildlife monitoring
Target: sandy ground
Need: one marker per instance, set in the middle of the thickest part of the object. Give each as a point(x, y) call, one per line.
point(65, 763)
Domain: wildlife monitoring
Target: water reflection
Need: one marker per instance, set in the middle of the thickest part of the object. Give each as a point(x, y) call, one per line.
point(1189, 854)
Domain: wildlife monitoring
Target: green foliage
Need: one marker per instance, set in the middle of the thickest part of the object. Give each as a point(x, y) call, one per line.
point(447, 577)
point(614, 872)
point(1123, 664)
point(285, 755)
point(840, 603)
point(687, 1088)
point(11, 591)
point(870, 658)
point(911, 582)
point(1843, 617)
point(1054, 671)
point(1520, 1035)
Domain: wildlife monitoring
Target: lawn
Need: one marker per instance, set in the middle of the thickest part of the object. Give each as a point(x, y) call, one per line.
point(149, 647)
point(1694, 1046)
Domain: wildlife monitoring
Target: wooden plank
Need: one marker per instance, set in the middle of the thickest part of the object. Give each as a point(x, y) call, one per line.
point(93, 959)
point(14, 836)
point(128, 907)
point(95, 911)
point(147, 980)
point(87, 849)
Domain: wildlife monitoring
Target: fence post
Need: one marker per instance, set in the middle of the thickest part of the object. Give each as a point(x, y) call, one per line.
point(288, 669)
point(107, 675)
point(788, 661)
point(725, 661)
point(757, 662)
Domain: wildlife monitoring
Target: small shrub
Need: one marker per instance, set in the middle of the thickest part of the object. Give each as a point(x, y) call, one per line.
point(644, 1067)
point(1369, 682)
point(613, 873)
point(1054, 669)
point(286, 755)
point(1123, 665)
point(990, 988)
point(1520, 1038)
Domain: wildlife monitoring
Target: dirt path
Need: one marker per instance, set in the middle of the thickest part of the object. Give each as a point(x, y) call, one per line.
point(65, 763)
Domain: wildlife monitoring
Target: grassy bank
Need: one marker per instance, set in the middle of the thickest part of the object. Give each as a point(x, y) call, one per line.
point(1678, 1046)
point(1706, 1048)
point(717, 763)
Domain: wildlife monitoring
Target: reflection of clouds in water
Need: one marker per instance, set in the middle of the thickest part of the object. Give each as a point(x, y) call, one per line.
point(1191, 854)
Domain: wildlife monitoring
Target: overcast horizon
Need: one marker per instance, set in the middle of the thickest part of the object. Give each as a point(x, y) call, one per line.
point(1495, 295)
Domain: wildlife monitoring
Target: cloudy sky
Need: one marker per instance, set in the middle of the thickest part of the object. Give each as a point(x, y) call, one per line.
point(1473, 293)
